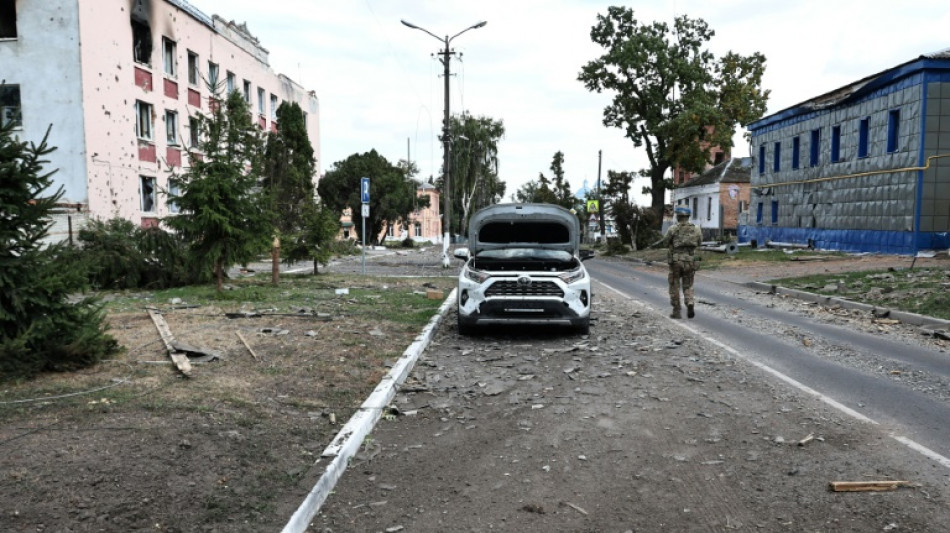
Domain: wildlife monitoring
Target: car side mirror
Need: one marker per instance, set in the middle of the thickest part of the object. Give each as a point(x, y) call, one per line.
point(461, 253)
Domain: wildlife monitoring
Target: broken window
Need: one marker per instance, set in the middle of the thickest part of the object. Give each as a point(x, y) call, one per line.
point(230, 83)
point(171, 128)
point(192, 68)
point(261, 105)
point(247, 92)
point(147, 192)
point(169, 57)
point(8, 19)
point(143, 120)
point(273, 107)
point(141, 42)
point(10, 112)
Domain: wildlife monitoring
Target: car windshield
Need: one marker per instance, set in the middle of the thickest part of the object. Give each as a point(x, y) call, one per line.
point(523, 254)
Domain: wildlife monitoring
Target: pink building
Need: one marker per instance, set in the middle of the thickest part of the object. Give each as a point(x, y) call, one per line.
point(120, 82)
point(425, 224)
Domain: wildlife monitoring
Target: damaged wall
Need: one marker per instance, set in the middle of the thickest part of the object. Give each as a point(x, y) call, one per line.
point(870, 199)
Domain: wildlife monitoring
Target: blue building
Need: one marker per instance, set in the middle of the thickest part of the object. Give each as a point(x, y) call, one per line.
point(864, 168)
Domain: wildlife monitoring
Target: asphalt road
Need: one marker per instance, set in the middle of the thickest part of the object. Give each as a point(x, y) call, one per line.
point(726, 314)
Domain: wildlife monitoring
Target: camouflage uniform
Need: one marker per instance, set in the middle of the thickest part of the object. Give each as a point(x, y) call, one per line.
point(682, 240)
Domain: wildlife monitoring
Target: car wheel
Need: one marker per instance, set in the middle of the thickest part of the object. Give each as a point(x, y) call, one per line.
point(464, 329)
point(584, 327)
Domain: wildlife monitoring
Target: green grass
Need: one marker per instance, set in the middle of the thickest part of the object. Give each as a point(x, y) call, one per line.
point(921, 291)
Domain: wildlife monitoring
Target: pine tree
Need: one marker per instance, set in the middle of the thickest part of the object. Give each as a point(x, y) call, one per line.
point(40, 328)
point(222, 217)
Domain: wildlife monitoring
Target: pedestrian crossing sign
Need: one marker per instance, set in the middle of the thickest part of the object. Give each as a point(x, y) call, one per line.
point(593, 206)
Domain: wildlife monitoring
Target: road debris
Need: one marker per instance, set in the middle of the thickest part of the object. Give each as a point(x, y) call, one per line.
point(866, 486)
point(575, 507)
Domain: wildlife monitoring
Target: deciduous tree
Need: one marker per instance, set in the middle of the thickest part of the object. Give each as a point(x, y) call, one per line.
point(672, 97)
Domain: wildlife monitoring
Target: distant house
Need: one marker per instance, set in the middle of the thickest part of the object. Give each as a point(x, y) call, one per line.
point(717, 156)
point(425, 223)
point(717, 197)
point(864, 168)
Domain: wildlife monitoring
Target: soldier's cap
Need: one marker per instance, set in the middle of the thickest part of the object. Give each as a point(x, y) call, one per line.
point(682, 211)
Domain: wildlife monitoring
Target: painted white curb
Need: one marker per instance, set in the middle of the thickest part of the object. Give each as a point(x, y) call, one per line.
point(348, 441)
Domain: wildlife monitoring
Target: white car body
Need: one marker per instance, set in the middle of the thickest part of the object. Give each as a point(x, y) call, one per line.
point(523, 266)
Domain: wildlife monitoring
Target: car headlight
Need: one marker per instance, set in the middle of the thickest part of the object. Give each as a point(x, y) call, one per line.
point(476, 275)
point(572, 276)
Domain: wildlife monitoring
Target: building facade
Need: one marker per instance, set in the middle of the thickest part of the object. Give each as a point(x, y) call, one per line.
point(864, 168)
point(118, 82)
point(717, 197)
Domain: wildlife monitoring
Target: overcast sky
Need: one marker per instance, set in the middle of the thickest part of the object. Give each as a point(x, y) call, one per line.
point(379, 85)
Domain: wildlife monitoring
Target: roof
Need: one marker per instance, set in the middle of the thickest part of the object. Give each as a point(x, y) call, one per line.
point(734, 170)
point(935, 60)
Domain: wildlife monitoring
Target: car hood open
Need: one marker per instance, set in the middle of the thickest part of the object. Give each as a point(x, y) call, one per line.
point(547, 226)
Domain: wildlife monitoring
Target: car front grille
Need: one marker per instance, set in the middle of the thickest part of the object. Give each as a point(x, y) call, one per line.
point(513, 288)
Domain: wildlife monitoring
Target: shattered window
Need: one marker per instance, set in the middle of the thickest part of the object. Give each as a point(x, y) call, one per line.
point(213, 75)
point(8, 19)
point(247, 92)
point(193, 132)
point(174, 189)
point(261, 105)
point(10, 111)
point(230, 82)
point(141, 42)
point(147, 192)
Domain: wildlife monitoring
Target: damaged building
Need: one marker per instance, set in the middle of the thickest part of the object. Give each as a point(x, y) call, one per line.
point(864, 168)
point(121, 82)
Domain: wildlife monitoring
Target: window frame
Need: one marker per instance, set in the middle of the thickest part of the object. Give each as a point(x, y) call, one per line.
point(194, 132)
point(864, 137)
point(814, 149)
point(8, 13)
point(169, 57)
point(836, 143)
point(796, 152)
point(261, 102)
point(777, 156)
point(774, 214)
point(273, 107)
point(13, 109)
point(171, 127)
point(144, 125)
point(214, 71)
point(230, 83)
point(194, 73)
point(762, 159)
point(247, 92)
point(147, 196)
point(893, 130)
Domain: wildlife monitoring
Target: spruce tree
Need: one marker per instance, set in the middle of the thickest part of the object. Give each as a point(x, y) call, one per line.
point(222, 216)
point(41, 329)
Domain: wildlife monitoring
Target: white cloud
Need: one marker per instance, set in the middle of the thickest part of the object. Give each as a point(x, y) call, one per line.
point(378, 85)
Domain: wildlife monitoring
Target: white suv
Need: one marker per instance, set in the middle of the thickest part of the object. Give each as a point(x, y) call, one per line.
point(522, 266)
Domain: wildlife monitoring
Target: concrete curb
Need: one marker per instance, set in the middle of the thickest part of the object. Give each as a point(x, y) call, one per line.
point(348, 441)
point(903, 316)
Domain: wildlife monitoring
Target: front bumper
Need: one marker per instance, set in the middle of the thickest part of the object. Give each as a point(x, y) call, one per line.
point(524, 298)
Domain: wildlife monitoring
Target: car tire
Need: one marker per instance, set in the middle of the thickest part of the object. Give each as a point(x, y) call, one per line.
point(464, 329)
point(584, 327)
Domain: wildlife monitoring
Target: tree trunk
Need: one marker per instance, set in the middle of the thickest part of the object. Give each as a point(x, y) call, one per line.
point(275, 261)
point(658, 195)
point(219, 274)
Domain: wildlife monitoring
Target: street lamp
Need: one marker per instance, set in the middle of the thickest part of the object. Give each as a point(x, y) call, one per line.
point(446, 54)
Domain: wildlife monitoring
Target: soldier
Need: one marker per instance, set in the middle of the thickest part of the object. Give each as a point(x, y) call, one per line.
point(682, 239)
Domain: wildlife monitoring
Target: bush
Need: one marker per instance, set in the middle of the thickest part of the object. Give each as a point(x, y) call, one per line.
point(344, 247)
point(408, 243)
point(117, 254)
point(616, 247)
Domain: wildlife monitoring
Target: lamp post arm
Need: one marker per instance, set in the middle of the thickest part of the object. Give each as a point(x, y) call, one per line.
point(472, 27)
point(413, 26)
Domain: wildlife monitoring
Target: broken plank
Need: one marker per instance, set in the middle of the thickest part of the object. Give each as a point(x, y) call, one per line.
point(180, 359)
point(861, 486)
point(246, 345)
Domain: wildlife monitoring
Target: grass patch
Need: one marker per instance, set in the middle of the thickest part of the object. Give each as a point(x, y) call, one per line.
point(745, 255)
point(922, 291)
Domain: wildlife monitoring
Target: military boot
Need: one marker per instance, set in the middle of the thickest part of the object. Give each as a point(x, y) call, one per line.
point(676, 313)
point(690, 312)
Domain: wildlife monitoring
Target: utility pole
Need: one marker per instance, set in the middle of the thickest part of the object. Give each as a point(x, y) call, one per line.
point(446, 58)
point(600, 198)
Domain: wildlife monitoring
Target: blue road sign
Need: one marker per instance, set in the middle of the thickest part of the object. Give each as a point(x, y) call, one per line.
point(364, 190)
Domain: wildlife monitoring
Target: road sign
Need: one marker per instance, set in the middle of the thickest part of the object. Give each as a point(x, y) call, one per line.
point(365, 210)
point(364, 191)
